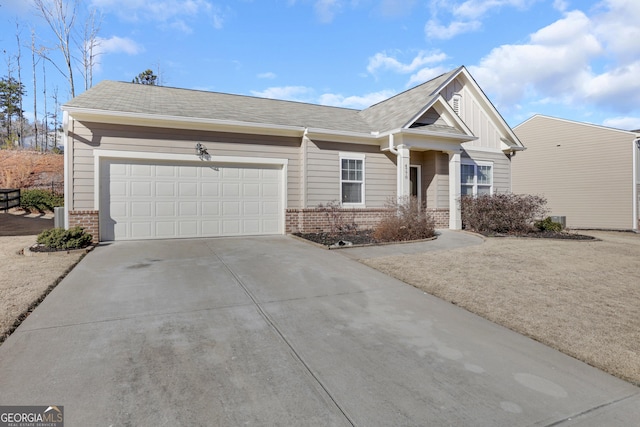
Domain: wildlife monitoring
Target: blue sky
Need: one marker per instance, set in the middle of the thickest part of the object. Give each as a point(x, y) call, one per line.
point(575, 59)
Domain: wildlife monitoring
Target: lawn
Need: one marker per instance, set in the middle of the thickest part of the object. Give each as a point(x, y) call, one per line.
point(580, 297)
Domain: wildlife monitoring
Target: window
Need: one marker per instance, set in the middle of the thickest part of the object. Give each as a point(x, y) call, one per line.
point(352, 179)
point(476, 179)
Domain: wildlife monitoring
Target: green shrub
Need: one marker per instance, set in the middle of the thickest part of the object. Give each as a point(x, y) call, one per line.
point(40, 200)
point(548, 224)
point(59, 238)
point(407, 220)
point(501, 213)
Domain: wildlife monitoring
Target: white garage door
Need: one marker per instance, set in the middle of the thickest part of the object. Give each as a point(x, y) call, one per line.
point(151, 200)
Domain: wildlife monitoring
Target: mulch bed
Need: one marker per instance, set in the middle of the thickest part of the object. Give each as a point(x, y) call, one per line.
point(365, 237)
point(562, 235)
point(362, 237)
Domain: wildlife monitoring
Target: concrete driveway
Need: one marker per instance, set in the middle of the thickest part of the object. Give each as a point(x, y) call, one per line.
point(274, 331)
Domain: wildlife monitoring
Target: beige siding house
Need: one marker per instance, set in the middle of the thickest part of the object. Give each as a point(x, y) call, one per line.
point(588, 173)
point(149, 162)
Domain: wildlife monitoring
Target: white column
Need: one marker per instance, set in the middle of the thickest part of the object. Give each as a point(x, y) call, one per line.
point(455, 217)
point(403, 161)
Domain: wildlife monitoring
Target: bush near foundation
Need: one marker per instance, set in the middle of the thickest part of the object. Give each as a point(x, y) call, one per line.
point(61, 239)
point(408, 220)
point(548, 224)
point(40, 200)
point(501, 213)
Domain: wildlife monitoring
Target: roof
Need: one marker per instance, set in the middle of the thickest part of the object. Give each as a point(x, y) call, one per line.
point(397, 112)
point(393, 113)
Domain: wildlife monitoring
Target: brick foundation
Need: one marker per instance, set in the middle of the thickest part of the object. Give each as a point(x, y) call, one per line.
point(89, 220)
point(440, 216)
point(316, 220)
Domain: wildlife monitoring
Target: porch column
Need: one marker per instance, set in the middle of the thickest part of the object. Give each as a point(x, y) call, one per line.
point(404, 184)
point(455, 217)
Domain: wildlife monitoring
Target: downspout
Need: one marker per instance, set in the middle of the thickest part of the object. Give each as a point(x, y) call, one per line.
point(68, 149)
point(636, 154)
point(391, 147)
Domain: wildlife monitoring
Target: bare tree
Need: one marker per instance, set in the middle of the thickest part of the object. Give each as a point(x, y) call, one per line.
point(20, 111)
point(61, 17)
point(89, 46)
point(34, 62)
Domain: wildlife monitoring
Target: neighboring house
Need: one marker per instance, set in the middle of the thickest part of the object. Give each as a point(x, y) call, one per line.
point(587, 173)
point(146, 162)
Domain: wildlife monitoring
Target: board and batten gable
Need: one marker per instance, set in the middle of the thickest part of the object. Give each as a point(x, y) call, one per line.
point(481, 119)
point(583, 170)
point(88, 136)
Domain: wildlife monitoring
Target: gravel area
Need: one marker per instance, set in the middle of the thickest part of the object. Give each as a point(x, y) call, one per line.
point(580, 297)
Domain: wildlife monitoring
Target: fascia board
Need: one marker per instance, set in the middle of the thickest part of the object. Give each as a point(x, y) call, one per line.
point(342, 136)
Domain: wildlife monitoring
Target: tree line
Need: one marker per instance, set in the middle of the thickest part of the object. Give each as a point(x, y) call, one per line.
point(73, 48)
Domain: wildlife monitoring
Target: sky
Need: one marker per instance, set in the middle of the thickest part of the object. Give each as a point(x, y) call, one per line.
point(573, 59)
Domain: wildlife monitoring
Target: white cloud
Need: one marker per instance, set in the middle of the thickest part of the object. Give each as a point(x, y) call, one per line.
point(289, 93)
point(117, 44)
point(357, 102)
point(579, 61)
point(267, 75)
point(465, 17)
point(172, 13)
point(474, 9)
point(624, 123)
point(434, 30)
point(426, 74)
point(326, 10)
point(382, 61)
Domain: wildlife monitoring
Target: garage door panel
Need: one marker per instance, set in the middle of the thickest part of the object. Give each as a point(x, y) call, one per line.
point(188, 189)
point(141, 189)
point(141, 209)
point(142, 200)
point(165, 188)
point(141, 171)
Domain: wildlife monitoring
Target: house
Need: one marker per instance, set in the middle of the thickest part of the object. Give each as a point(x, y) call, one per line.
point(588, 173)
point(148, 162)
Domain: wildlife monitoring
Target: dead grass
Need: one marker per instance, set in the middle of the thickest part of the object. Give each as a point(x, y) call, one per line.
point(24, 280)
point(582, 298)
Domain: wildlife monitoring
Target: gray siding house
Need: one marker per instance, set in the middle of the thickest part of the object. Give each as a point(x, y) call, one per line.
point(150, 162)
point(588, 173)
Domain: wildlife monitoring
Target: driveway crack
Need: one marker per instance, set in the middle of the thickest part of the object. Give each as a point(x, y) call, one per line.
point(277, 330)
point(590, 410)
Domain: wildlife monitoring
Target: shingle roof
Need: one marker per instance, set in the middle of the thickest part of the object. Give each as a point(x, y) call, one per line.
point(146, 99)
point(397, 111)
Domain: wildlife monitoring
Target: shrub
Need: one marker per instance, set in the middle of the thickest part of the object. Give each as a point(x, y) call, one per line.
point(408, 220)
point(548, 224)
point(336, 217)
point(40, 200)
point(501, 213)
point(59, 238)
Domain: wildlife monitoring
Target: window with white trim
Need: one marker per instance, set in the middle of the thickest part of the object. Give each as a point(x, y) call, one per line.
point(352, 179)
point(476, 178)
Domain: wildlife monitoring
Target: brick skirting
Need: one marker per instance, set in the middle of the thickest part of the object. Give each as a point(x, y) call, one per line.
point(89, 220)
point(440, 216)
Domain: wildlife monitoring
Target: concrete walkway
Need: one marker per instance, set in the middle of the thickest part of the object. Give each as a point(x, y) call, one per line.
point(274, 331)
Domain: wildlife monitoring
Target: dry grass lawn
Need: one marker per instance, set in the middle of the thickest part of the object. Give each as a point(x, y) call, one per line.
point(582, 298)
point(25, 279)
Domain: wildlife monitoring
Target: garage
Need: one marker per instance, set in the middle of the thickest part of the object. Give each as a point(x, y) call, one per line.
point(151, 199)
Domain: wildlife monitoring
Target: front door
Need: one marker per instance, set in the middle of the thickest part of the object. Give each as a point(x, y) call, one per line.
point(415, 185)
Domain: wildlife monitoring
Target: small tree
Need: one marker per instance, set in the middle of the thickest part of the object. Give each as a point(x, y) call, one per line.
point(146, 77)
point(11, 93)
